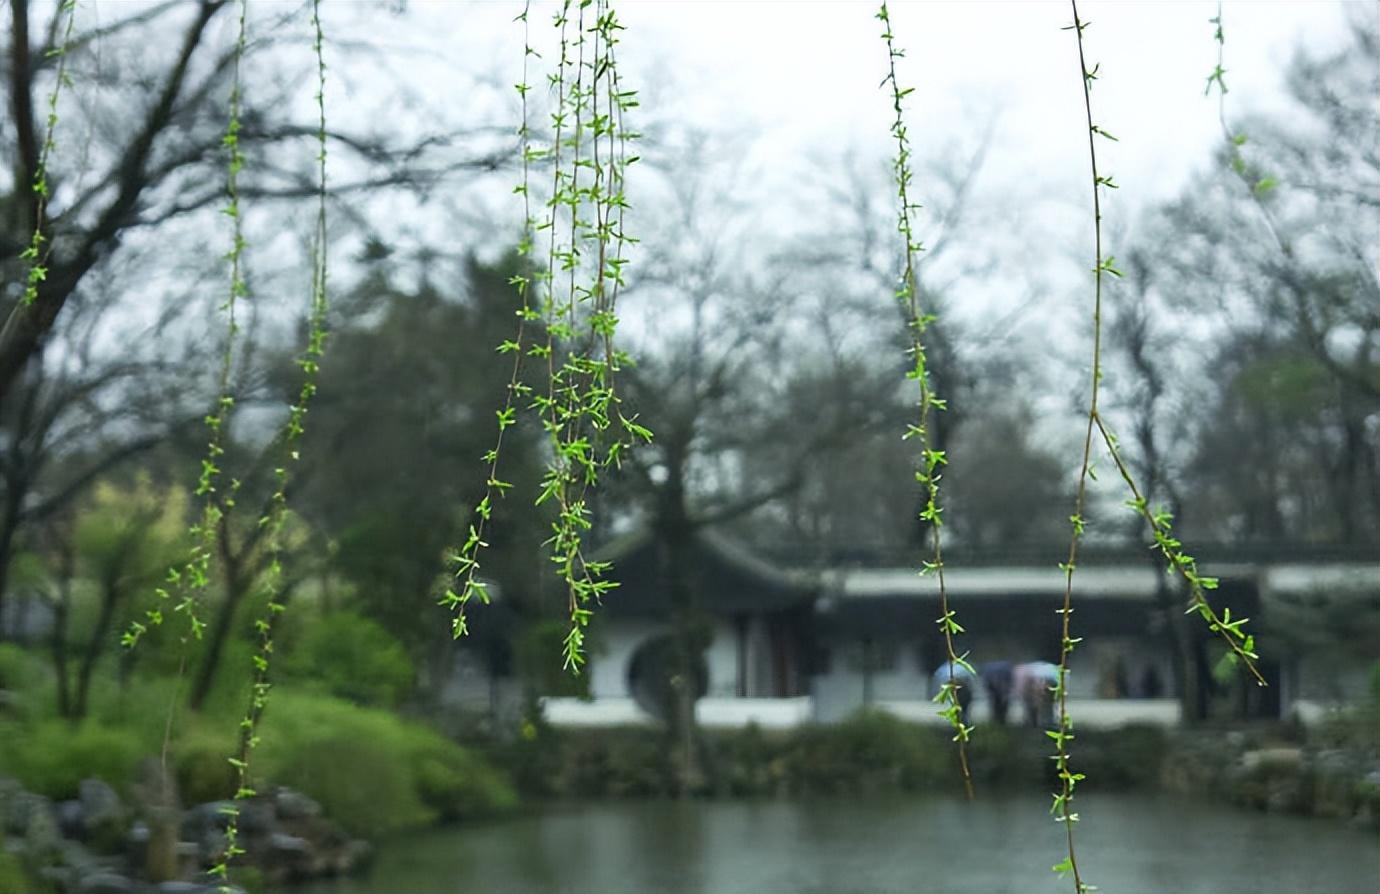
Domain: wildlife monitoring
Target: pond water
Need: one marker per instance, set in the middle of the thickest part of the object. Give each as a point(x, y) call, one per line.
point(1127, 845)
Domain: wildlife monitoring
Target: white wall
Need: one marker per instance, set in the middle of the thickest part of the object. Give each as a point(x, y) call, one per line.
point(1087, 713)
point(722, 660)
point(608, 711)
point(840, 692)
point(616, 640)
point(768, 713)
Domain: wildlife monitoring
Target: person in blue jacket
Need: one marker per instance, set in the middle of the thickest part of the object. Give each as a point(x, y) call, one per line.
point(964, 684)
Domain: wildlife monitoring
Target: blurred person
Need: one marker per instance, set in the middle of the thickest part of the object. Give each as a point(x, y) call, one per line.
point(999, 680)
point(1034, 683)
point(963, 681)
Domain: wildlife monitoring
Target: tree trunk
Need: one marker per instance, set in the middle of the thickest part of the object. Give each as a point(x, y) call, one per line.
point(95, 647)
point(676, 543)
point(1187, 687)
point(6, 540)
point(8, 526)
point(676, 535)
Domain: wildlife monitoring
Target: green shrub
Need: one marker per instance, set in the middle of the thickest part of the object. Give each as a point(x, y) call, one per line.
point(747, 762)
point(1007, 755)
point(27, 677)
point(871, 751)
point(19, 669)
point(202, 768)
point(532, 759)
point(372, 771)
point(615, 763)
point(363, 785)
point(1128, 757)
point(353, 658)
point(457, 783)
point(52, 757)
point(13, 878)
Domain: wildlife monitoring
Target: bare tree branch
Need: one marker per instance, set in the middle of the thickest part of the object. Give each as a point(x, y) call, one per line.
point(27, 325)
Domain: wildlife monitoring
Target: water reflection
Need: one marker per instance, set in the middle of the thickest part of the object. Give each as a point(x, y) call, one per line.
point(996, 846)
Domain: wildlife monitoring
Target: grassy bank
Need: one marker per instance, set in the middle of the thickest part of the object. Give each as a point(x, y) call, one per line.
point(373, 771)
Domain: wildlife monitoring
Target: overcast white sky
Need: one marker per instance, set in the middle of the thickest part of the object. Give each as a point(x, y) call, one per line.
point(804, 74)
point(797, 80)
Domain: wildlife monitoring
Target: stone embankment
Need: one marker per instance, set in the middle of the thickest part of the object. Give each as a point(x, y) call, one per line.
point(98, 843)
point(1278, 776)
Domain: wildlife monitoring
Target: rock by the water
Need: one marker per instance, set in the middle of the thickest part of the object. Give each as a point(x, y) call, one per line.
point(288, 845)
point(106, 883)
point(256, 817)
point(70, 819)
point(211, 815)
point(1271, 759)
point(42, 840)
point(21, 808)
point(180, 888)
point(100, 805)
point(291, 805)
point(83, 845)
point(289, 856)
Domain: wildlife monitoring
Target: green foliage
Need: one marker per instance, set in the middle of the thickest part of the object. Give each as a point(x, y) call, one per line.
point(359, 782)
point(15, 880)
point(353, 658)
point(618, 763)
point(377, 774)
point(870, 752)
point(389, 475)
point(26, 679)
point(575, 297)
point(132, 531)
point(1128, 757)
point(199, 765)
point(456, 783)
point(1356, 727)
point(52, 756)
point(464, 563)
point(187, 585)
point(372, 771)
point(536, 651)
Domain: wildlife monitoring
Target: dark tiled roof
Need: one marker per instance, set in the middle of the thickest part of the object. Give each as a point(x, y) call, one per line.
point(727, 579)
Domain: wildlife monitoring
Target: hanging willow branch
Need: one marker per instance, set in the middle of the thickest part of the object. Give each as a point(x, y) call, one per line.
point(573, 294)
point(1062, 808)
point(463, 562)
point(274, 518)
point(932, 460)
point(36, 254)
point(1240, 644)
point(189, 582)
